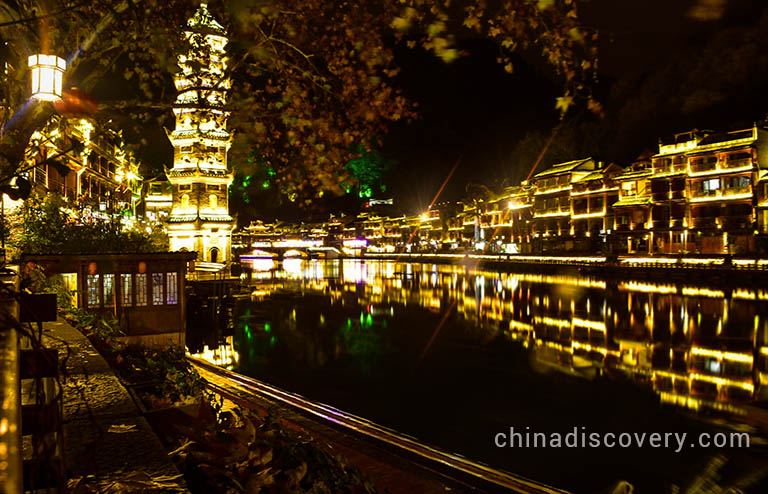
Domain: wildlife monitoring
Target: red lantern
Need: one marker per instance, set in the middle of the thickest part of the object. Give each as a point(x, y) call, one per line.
point(142, 267)
point(93, 268)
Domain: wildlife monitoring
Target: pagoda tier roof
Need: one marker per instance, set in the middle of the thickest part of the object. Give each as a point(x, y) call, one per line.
point(203, 21)
point(202, 134)
point(191, 218)
point(202, 173)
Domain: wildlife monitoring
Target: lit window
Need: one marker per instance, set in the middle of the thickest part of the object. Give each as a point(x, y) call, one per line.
point(172, 288)
point(109, 290)
point(629, 188)
point(93, 295)
point(126, 289)
point(710, 185)
point(157, 288)
point(213, 201)
point(141, 289)
point(185, 201)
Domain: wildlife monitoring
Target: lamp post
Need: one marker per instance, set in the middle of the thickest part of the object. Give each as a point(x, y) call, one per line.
point(47, 74)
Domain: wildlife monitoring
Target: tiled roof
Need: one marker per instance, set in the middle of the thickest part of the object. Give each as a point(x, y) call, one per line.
point(632, 201)
point(563, 167)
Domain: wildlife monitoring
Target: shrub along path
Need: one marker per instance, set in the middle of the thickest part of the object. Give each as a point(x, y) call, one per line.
point(105, 434)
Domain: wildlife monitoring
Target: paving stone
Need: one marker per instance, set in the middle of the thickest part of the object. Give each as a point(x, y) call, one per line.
point(94, 400)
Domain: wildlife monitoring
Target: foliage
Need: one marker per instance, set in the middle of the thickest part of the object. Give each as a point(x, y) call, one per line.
point(167, 378)
point(310, 78)
point(240, 451)
point(50, 225)
point(367, 172)
point(170, 378)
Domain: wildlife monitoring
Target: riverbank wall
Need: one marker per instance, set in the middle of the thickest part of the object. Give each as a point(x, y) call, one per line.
point(712, 269)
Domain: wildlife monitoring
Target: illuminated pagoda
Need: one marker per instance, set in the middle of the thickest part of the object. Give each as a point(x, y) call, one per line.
point(199, 219)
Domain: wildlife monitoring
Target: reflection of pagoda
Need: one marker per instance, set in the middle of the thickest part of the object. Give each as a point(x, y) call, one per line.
point(200, 219)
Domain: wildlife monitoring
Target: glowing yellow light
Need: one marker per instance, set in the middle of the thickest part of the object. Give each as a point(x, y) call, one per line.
point(584, 323)
point(634, 286)
point(47, 75)
point(723, 381)
point(736, 357)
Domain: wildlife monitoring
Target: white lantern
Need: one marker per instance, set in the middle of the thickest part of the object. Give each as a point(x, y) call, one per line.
point(47, 74)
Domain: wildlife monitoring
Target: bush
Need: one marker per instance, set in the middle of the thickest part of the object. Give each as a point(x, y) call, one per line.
point(50, 225)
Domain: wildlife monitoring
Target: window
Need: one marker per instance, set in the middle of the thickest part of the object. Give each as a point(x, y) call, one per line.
point(213, 201)
point(141, 289)
point(737, 182)
point(622, 220)
point(157, 288)
point(662, 164)
point(156, 189)
point(710, 186)
point(126, 289)
point(109, 290)
point(629, 189)
point(738, 156)
point(172, 287)
point(185, 201)
point(93, 297)
point(184, 187)
point(214, 187)
point(704, 163)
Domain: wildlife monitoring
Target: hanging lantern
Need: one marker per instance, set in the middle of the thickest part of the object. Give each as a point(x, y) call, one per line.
point(47, 74)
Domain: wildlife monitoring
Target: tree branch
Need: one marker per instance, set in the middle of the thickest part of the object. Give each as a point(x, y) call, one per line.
point(45, 16)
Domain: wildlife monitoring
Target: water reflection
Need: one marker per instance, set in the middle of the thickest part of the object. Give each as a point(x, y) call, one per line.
point(350, 333)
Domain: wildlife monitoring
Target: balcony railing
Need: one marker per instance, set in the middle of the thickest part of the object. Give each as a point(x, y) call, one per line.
point(724, 194)
point(742, 163)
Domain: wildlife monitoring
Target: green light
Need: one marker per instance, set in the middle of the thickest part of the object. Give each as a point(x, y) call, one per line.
point(265, 184)
point(267, 327)
point(247, 330)
point(349, 323)
point(369, 321)
point(361, 318)
point(272, 341)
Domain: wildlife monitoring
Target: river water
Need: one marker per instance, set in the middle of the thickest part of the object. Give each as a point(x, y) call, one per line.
point(540, 353)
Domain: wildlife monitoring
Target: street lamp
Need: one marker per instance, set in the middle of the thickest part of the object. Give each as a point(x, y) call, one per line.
point(47, 74)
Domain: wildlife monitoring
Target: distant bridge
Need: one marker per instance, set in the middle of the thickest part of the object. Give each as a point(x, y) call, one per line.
point(285, 250)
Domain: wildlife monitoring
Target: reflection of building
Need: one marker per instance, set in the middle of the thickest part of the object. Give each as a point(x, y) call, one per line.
point(695, 347)
point(86, 163)
point(199, 219)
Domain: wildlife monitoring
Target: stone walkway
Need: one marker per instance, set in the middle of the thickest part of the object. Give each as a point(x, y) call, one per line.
point(94, 402)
